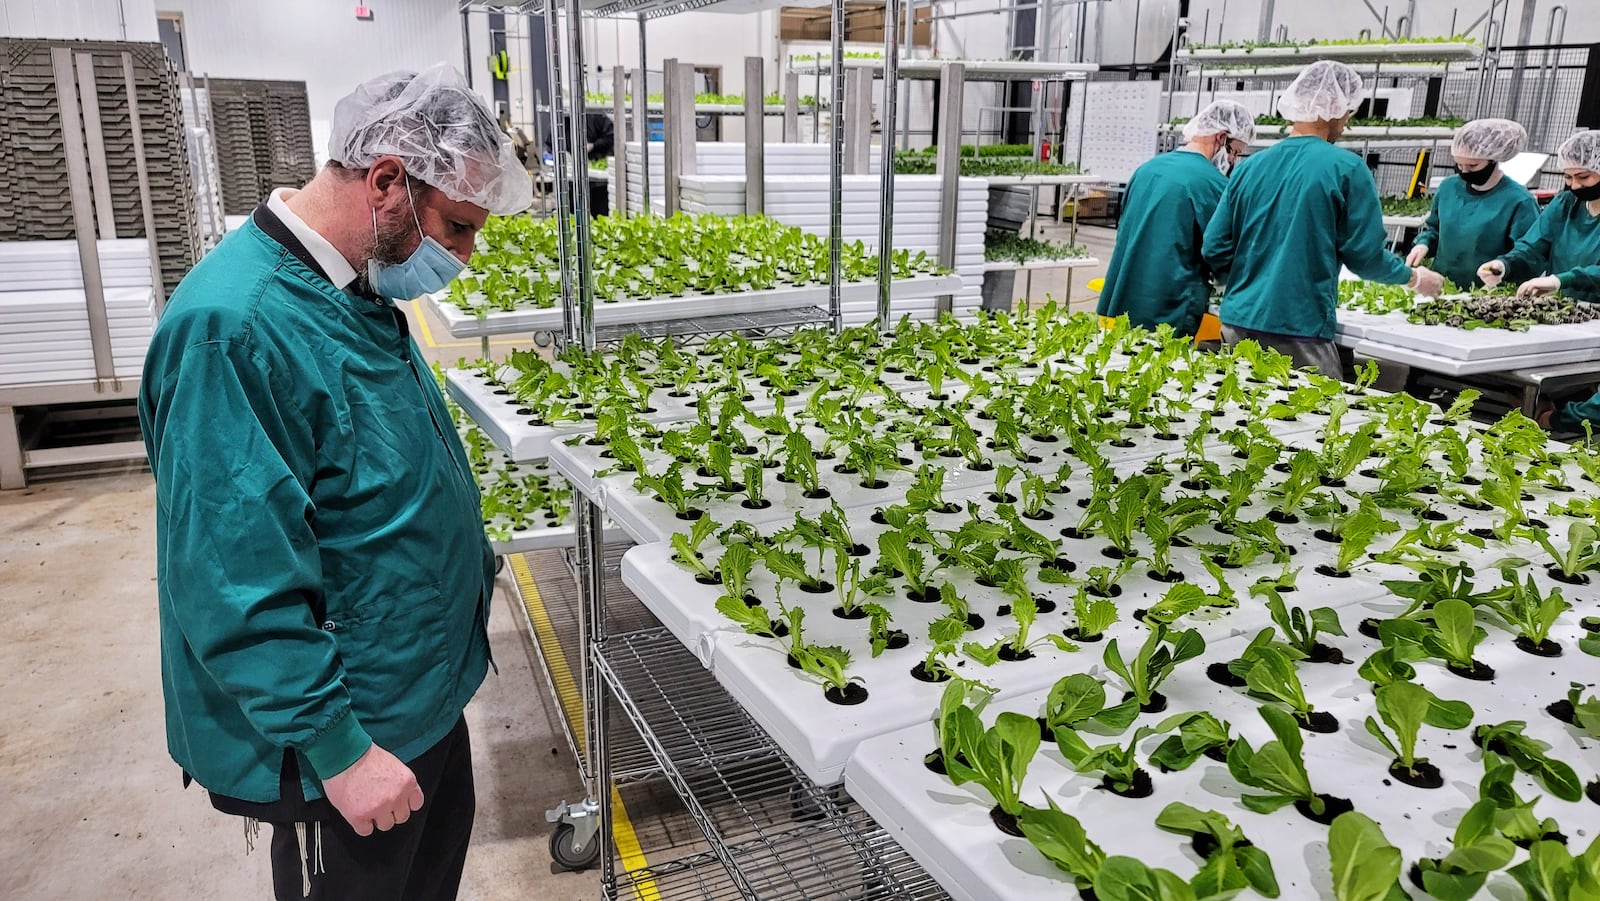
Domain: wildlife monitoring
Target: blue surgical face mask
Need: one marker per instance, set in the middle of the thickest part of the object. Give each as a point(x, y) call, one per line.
point(429, 268)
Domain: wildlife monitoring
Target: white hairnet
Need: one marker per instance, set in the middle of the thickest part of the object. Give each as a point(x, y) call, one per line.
point(440, 129)
point(1222, 116)
point(1581, 151)
point(1325, 90)
point(1490, 139)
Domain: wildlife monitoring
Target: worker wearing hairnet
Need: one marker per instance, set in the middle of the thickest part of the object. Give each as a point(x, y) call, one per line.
point(1561, 250)
point(1477, 214)
point(1291, 216)
point(323, 575)
point(1168, 203)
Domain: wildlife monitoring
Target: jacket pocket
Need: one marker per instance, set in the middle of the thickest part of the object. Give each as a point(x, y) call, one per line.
point(395, 663)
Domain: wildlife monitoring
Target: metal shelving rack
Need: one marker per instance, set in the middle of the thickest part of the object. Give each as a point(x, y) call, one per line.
point(768, 831)
point(1397, 62)
point(953, 77)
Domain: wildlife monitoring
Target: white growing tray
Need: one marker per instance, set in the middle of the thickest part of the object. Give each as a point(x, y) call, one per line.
point(1483, 343)
point(948, 830)
point(820, 736)
point(1451, 366)
point(464, 324)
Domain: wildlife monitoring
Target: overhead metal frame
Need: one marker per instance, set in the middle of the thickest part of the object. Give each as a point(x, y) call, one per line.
point(600, 685)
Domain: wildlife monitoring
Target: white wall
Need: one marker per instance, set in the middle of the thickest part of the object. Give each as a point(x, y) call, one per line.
point(319, 42)
point(700, 39)
point(97, 20)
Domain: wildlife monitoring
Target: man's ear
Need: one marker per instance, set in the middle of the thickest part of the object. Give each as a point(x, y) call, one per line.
point(384, 178)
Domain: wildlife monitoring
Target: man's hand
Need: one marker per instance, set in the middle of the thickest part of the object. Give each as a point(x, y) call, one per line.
point(1533, 287)
point(376, 792)
point(1417, 255)
point(1491, 273)
point(1542, 414)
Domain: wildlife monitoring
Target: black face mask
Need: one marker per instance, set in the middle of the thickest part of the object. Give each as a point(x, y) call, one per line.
point(1587, 195)
point(1479, 178)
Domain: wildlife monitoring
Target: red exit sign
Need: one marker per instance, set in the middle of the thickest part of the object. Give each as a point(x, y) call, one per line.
point(364, 11)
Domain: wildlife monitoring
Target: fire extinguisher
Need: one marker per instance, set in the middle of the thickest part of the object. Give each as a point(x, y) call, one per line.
point(1044, 151)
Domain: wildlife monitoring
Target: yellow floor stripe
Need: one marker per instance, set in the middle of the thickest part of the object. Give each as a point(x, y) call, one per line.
point(422, 323)
point(622, 833)
point(428, 340)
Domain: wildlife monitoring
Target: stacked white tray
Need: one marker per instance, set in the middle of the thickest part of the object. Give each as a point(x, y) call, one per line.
point(44, 319)
point(723, 158)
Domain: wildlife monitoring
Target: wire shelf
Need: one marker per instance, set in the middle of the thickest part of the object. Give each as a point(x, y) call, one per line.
point(768, 826)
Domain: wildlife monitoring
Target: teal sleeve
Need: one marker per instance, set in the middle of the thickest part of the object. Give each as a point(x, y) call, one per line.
point(1523, 216)
point(1583, 281)
point(1570, 417)
point(239, 565)
point(1362, 239)
point(1532, 253)
point(1429, 236)
point(1220, 241)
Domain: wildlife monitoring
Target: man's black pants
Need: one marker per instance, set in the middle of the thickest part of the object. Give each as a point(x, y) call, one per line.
point(418, 860)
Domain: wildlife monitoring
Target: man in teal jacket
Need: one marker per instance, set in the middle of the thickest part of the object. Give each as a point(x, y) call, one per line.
point(1477, 214)
point(1156, 274)
point(1561, 252)
point(323, 575)
point(1291, 215)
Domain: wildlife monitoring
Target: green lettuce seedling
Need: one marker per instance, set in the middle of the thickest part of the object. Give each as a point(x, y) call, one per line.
point(1552, 873)
point(1276, 769)
point(1513, 817)
point(1365, 866)
point(1198, 733)
point(1154, 662)
point(996, 758)
point(1062, 840)
point(1078, 701)
point(1232, 863)
point(1476, 852)
point(1118, 762)
point(1529, 755)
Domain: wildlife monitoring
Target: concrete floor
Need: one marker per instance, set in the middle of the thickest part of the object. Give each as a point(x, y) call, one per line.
point(95, 808)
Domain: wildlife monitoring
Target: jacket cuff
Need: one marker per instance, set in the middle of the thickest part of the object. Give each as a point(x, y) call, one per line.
point(337, 747)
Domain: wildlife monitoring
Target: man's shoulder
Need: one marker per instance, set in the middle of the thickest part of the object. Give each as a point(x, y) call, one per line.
point(223, 296)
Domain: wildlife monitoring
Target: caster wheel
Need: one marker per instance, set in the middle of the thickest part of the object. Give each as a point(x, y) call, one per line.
point(543, 339)
point(566, 856)
point(499, 564)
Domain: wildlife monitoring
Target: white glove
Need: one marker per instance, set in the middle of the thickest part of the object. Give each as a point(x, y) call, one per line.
point(1427, 282)
point(1492, 273)
point(1534, 287)
point(1417, 255)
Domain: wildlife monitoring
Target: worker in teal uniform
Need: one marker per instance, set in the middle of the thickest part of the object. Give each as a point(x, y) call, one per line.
point(1565, 244)
point(1291, 215)
point(1477, 214)
point(322, 573)
point(1169, 201)
point(1561, 251)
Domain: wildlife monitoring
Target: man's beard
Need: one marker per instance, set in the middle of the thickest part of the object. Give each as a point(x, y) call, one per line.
point(392, 241)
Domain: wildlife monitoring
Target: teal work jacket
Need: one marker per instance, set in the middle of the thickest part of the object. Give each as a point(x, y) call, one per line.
point(1156, 274)
point(1290, 216)
point(1467, 228)
point(1565, 242)
point(322, 570)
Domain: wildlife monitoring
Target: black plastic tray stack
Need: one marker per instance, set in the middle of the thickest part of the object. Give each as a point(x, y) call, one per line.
point(33, 164)
point(263, 135)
